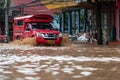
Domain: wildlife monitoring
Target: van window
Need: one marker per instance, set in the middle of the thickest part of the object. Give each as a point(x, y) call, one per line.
point(42, 26)
point(20, 22)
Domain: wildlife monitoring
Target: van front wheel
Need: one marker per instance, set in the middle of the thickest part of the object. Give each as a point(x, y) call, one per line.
point(18, 38)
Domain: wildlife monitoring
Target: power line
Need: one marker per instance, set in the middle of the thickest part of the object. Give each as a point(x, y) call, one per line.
point(32, 4)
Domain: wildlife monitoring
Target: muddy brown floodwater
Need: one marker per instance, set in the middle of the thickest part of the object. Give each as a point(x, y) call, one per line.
point(73, 62)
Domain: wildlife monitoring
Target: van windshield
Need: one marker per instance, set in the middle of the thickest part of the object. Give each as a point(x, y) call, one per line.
point(43, 26)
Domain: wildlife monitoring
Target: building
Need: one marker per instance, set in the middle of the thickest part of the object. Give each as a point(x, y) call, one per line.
point(77, 16)
point(81, 18)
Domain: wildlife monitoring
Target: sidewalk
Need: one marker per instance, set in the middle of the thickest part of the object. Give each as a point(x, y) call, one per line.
point(95, 43)
point(114, 43)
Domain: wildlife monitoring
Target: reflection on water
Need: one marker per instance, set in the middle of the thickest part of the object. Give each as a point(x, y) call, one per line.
point(23, 63)
point(36, 67)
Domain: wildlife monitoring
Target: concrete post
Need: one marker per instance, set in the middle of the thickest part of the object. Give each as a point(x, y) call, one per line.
point(6, 23)
point(6, 19)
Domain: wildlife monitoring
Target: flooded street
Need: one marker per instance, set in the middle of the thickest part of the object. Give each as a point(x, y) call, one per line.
point(75, 62)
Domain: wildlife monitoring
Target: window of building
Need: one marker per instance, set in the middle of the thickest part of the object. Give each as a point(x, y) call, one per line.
point(82, 20)
point(66, 23)
point(104, 25)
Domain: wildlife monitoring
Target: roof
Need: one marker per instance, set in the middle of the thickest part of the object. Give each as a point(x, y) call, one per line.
point(23, 17)
point(57, 4)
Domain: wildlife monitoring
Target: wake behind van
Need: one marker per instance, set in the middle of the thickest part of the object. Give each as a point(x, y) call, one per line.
point(38, 26)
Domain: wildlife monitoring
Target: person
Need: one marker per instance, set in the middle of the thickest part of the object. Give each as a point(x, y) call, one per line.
point(93, 36)
point(114, 33)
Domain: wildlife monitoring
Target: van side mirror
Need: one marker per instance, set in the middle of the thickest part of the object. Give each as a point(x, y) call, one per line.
point(27, 29)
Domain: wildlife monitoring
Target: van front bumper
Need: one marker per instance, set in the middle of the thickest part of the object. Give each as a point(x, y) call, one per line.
point(41, 40)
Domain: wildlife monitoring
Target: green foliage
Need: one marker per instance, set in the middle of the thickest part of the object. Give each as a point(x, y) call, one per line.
point(2, 12)
point(2, 3)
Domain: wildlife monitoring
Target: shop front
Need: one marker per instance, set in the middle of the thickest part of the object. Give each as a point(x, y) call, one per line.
point(75, 20)
point(82, 18)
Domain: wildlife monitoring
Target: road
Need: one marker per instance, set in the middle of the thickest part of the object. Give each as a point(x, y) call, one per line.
point(73, 62)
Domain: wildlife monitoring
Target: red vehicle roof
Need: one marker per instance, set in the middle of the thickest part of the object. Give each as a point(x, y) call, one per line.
point(35, 18)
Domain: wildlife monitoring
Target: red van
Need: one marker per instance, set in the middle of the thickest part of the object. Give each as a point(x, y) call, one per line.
point(38, 26)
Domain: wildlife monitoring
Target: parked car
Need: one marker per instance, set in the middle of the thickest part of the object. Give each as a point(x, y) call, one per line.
point(3, 39)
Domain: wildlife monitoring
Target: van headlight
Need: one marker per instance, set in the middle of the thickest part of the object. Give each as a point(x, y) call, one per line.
point(40, 34)
point(60, 35)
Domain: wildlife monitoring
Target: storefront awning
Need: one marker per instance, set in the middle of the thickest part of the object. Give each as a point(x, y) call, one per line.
point(59, 4)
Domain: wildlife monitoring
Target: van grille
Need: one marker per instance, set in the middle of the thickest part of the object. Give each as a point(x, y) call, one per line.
point(50, 36)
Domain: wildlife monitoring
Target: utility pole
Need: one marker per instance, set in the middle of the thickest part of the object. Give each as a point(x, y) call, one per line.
point(6, 19)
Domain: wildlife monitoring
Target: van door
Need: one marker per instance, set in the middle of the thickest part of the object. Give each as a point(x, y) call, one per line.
point(28, 31)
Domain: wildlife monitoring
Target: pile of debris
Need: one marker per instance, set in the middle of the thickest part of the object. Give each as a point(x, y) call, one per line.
point(83, 38)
